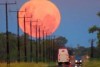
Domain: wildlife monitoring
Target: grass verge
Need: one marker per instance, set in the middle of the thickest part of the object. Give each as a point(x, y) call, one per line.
point(92, 63)
point(23, 64)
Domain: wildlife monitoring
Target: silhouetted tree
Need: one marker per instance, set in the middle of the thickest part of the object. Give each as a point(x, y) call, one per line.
point(61, 41)
point(96, 29)
point(98, 14)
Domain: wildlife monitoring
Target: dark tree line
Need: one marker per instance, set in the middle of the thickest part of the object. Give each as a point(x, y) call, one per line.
point(47, 51)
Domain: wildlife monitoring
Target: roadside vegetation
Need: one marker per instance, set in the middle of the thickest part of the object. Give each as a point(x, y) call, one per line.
point(92, 63)
point(23, 64)
point(29, 64)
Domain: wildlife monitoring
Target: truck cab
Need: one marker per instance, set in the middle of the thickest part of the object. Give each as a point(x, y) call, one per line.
point(63, 56)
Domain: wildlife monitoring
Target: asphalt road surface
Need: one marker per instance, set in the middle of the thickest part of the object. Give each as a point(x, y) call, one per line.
point(71, 65)
point(67, 66)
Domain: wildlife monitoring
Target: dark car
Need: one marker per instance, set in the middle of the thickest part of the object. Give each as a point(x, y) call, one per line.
point(78, 60)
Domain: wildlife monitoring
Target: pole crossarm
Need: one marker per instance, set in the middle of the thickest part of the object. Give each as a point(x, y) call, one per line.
point(7, 3)
point(17, 11)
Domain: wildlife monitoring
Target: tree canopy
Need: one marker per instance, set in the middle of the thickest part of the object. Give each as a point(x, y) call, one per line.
point(61, 40)
point(98, 14)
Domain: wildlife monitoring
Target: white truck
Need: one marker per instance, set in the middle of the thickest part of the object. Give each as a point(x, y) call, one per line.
point(63, 57)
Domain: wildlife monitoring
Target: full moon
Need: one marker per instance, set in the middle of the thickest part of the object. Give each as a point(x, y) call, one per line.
point(38, 17)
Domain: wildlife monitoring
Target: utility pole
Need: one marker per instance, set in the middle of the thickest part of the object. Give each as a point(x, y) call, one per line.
point(49, 48)
point(36, 46)
point(43, 34)
point(25, 45)
point(7, 33)
point(31, 56)
point(40, 47)
point(49, 38)
point(50, 44)
point(46, 48)
point(92, 48)
point(43, 46)
point(37, 50)
point(25, 48)
point(18, 41)
point(53, 47)
point(24, 35)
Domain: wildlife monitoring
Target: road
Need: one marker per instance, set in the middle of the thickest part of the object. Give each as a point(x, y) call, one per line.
point(71, 65)
point(67, 66)
point(72, 60)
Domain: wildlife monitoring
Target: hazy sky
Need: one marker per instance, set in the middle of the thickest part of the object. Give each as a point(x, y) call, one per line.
point(76, 18)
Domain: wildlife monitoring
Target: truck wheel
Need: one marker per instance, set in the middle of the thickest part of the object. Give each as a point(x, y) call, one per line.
point(60, 63)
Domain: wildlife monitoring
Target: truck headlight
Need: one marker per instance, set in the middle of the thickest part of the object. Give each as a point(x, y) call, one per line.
point(76, 61)
point(80, 60)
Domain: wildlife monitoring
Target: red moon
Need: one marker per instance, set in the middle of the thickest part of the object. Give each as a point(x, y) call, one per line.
point(44, 16)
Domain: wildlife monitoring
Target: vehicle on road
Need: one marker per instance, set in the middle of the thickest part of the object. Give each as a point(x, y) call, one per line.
point(78, 61)
point(63, 57)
